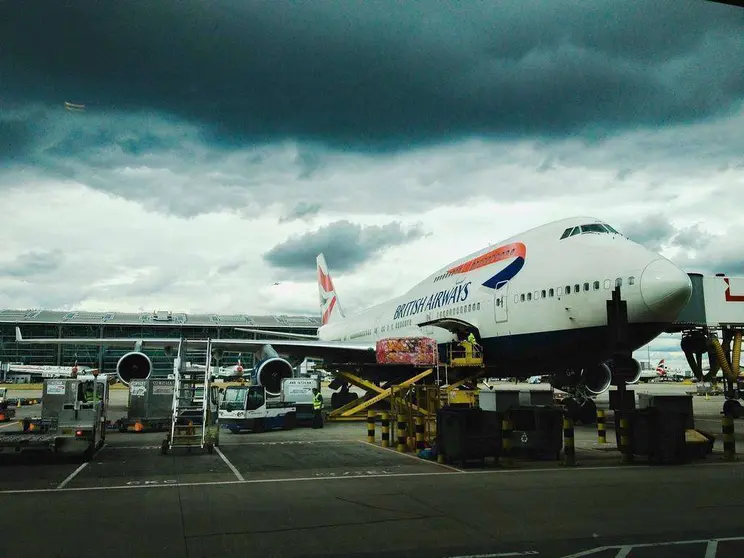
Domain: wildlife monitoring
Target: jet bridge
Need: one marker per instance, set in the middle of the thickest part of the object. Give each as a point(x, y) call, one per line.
point(716, 306)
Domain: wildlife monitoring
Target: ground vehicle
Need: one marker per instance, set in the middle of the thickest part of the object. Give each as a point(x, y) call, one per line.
point(248, 408)
point(73, 418)
point(6, 413)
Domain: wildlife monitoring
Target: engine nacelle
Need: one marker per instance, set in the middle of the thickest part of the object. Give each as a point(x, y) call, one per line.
point(596, 379)
point(133, 366)
point(635, 372)
point(271, 372)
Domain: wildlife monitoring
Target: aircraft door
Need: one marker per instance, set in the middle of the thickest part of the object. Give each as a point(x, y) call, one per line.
point(500, 301)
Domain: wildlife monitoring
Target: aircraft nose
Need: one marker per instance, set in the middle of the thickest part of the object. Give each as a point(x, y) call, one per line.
point(665, 288)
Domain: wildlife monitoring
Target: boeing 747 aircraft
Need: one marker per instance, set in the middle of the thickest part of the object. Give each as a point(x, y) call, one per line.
point(536, 303)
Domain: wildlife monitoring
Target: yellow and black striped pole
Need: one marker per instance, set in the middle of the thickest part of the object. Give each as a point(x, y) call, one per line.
point(506, 442)
point(385, 430)
point(371, 415)
point(419, 422)
point(569, 449)
point(401, 432)
point(729, 444)
point(601, 427)
point(626, 450)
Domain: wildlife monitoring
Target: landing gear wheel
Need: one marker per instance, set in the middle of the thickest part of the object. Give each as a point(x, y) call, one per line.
point(572, 407)
point(732, 407)
point(588, 412)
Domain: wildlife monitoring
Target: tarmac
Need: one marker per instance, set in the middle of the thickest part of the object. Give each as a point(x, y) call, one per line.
point(328, 492)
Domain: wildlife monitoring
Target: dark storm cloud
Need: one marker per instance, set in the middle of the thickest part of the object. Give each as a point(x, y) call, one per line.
point(301, 211)
point(653, 231)
point(376, 74)
point(692, 238)
point(32, 264)
point(345, 245)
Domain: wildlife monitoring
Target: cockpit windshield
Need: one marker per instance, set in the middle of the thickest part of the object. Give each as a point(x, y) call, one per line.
point(600, 228)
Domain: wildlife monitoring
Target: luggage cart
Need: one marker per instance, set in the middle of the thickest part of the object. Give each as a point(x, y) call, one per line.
point(194, 420)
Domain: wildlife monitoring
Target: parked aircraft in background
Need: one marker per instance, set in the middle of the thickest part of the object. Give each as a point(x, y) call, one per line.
point(536, 303)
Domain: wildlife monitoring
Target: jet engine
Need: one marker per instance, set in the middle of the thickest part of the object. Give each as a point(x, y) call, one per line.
point(271, 372)
point(596, 379)
point(635, 372)
point(133, 366)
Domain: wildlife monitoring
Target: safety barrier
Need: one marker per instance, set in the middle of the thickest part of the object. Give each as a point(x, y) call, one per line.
point(569, 449)
point(601, 427)
point(385, 436)
point(371, 415)
point(626, 450)
point(729, 442)
point(401, 433)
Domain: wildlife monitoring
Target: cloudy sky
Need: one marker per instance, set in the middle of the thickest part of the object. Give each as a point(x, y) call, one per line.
point(223, 144)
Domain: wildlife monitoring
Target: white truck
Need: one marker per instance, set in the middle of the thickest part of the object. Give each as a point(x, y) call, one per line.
point(247, 407)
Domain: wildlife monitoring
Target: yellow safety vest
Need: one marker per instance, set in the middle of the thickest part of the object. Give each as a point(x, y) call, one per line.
point(317, 402)
point(471, 339)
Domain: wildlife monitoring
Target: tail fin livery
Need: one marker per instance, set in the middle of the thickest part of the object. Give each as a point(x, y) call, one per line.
point(330, 308)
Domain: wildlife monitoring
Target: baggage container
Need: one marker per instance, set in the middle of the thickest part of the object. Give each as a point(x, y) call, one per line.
point(417, 351)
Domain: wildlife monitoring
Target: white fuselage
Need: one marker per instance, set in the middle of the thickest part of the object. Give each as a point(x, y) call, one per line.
point(562, 287)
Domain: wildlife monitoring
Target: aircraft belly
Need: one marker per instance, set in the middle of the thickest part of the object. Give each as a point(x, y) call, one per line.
point(526, 354)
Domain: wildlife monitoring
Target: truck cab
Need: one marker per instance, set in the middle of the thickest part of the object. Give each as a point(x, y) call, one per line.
point(246, 407)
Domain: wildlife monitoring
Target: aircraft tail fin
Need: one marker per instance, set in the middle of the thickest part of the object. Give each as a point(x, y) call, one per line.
point(330, 308)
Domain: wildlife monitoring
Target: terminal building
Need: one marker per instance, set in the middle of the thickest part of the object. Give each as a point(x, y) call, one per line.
point(56, 324)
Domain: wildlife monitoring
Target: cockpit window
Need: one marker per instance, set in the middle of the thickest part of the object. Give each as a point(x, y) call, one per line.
point(594, 228)
point(589, 228)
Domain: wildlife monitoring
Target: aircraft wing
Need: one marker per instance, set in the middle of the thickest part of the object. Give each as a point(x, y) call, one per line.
point(153, 342)
point(326, 350)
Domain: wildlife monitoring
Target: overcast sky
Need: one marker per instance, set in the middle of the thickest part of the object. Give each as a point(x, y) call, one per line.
point(223, 144)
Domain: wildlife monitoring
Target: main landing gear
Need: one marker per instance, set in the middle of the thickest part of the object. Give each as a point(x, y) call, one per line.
point(580, 407)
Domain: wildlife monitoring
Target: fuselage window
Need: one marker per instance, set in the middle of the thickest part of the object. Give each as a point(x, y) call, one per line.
point(537, 295)
point(521, 298)
point(566, 233)
point(550, 293)
point(568, 289)
point(559, 291)
point(516, 298)
point(619, 282)
point(477, 305)
point(576, 288)
point(596, 285)
point(606, 283)
point(586, 286)
point(631, 280)
point(542, 294)
point(498, 302)
point(529, 296)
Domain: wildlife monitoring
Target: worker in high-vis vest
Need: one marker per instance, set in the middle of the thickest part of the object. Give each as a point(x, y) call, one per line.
point(317, 408)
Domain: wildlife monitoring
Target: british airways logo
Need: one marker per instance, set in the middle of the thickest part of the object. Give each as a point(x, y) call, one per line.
point(458, 293)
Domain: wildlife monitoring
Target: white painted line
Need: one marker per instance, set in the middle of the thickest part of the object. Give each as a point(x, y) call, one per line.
point(227, 462)
point(499, 554)
point(623, 552)
point(712, 543)
point(418, 459)
point(72, 476)
point(711, 549)
point(9, 424)
point(383, 475)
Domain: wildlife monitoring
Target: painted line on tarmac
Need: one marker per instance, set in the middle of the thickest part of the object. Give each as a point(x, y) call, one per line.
point(415, 457)
point(500, 554)
point(358, 477)
point(240, 444)
point(9, 424)
point(227, 462)
point(71, 476)
point(710, 551)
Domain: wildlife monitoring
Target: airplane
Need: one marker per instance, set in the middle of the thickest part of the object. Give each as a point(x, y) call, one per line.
point(45, 371)
point(536, 303)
